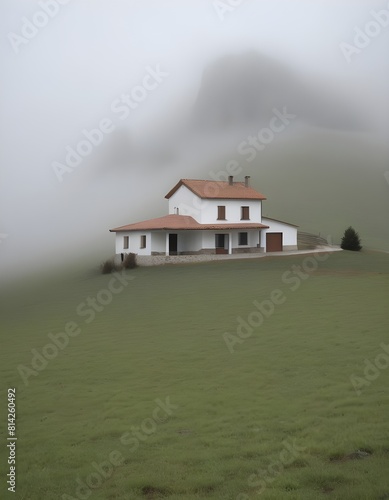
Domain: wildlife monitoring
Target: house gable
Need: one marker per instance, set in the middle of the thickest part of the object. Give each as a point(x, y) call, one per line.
point(206, 200)
point(185, 202)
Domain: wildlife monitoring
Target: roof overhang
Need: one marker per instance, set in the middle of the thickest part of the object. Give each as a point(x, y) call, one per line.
point(184, 223)
point(202, 227)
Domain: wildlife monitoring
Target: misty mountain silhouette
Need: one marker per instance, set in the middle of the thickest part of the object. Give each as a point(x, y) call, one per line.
point(241, 89)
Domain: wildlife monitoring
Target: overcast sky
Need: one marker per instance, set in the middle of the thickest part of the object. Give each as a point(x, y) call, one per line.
point(64, 76)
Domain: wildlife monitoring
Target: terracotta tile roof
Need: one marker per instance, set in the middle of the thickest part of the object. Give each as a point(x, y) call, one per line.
point(218, 190)
point(178, 222)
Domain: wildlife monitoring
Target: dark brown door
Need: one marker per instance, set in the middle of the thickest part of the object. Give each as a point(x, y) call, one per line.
point(221, 242)
point(173, 239)
point(273, 242)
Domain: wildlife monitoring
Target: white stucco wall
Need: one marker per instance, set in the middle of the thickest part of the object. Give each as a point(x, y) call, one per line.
point(193, 241)
point(208, 238)
point(189, 241)
point(187, 202)
point(233, 211)
point(205, 211)
point(119, 243)
point(134, 242)
point(289, 232)
point(252, 238)
point(158, 241)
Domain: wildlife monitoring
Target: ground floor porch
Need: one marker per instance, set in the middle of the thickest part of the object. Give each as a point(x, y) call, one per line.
point(207, 242)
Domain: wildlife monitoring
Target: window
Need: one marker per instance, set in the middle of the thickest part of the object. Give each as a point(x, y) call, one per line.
point(221, 213)
point(143, 241)
point(245, 213)
point(125, 242)
point(242, 239)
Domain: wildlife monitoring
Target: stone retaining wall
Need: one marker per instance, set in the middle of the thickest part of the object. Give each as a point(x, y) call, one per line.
point(158, 260)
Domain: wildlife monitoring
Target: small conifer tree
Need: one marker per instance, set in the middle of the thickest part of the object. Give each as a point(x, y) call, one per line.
point(350, 240)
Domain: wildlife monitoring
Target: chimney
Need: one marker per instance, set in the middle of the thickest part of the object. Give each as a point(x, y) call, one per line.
point(247, 181)
point(230, 180)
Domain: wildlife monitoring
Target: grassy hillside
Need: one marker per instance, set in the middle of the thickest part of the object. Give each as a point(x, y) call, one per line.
point(324, 181)
point(278, 415)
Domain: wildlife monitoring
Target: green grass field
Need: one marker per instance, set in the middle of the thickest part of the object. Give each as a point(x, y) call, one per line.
point(279, 416)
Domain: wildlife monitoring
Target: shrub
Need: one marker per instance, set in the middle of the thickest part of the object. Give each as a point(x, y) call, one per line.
point(350, 240)
point(109, 266)
point(129, 261)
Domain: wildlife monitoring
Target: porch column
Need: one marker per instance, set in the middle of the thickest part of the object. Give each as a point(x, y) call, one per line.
point(229, 243)
point(167, 243)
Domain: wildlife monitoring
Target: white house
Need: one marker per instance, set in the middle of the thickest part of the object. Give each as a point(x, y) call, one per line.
point(208, 217)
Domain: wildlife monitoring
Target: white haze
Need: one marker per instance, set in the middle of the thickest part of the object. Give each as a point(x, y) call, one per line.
point(65, 79)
